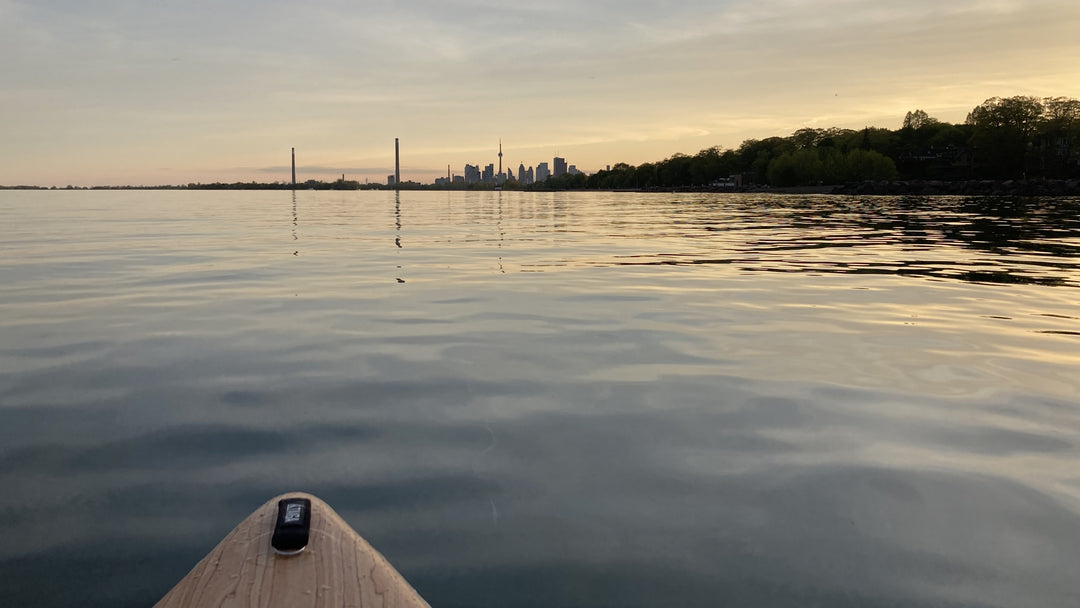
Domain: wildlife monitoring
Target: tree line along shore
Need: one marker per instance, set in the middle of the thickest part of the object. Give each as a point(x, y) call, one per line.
point(1006, 145)
point(1016, 145)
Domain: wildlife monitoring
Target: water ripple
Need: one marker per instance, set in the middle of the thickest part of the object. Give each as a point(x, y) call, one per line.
point(535, 399)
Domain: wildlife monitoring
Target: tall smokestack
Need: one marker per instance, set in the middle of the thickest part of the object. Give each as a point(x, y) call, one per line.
point(397, 165)
point(294, 168)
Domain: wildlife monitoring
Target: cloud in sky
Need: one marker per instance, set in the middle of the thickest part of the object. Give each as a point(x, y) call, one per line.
point(109, 91)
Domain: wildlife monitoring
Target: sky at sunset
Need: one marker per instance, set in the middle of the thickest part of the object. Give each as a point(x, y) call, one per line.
point(148, 92)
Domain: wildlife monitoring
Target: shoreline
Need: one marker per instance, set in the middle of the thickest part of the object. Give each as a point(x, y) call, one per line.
point(1031, 187)
point(1022, 187)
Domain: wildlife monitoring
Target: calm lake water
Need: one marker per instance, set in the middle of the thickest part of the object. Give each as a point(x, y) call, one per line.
point(549, 399)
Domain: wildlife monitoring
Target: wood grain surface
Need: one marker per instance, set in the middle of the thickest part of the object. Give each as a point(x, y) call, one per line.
point(338, 568)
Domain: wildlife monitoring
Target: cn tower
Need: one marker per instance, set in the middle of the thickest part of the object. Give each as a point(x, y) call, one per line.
point(500, 156)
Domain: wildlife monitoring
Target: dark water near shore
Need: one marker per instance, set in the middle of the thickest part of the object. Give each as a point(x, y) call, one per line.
point(549, 399)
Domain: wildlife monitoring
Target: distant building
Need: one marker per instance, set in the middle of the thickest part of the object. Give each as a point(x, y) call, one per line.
point(573, 170)
point(732, 182)
point(489, 174)
point(560, 166)
point(472, 174)
point(542, 172)
point(521, 173)
point(390, 180)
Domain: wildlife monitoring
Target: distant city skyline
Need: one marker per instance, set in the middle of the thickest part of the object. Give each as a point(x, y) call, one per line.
point(165, 93)
point(490, 174)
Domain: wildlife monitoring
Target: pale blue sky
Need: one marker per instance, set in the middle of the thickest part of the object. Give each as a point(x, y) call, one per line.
point(163, 92)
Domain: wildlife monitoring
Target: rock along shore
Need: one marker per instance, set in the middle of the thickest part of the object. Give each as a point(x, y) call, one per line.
point(1047, 187)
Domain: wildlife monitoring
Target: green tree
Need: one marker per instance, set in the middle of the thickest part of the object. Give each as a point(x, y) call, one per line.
point(798, 168)
point(918, 119)
point(710, 164)
point(1058, 139)
point(645, 176)
point(754, 156)
point(862, 165)
point(829, 165)
point(806, 138)
point(1003, 130)
point(674, 171)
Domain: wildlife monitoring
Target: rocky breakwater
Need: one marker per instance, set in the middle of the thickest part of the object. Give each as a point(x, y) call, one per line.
point(1047, 187)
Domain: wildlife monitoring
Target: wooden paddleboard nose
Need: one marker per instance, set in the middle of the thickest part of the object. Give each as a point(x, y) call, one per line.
point(294, 552)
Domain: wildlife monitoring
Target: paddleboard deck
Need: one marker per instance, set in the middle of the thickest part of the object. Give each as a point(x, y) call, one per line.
point(336, 568)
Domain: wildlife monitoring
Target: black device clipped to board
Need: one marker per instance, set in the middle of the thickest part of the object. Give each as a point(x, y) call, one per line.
point(292, 526)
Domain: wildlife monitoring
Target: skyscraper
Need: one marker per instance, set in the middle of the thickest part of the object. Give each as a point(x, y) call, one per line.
point(560, 166)
point(542, 172)
point(472, 174)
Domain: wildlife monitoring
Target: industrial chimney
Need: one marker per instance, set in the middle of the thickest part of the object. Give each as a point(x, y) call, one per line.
point(397, 165)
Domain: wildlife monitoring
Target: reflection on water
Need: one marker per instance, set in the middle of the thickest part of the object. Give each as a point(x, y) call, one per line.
point(999, 241)
point(397, 218)
point(537, 399)
point(295, 222)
